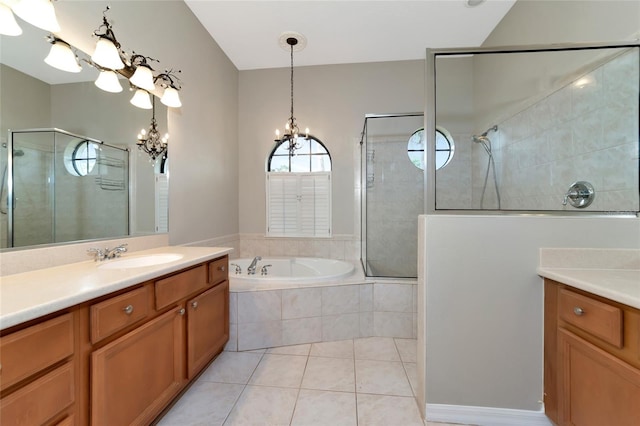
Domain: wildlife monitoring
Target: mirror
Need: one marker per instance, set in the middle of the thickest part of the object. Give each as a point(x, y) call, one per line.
point(38, 96)
point(528, 125)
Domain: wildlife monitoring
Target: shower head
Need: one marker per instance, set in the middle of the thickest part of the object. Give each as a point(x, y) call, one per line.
point(493, 128)
point(484, 141)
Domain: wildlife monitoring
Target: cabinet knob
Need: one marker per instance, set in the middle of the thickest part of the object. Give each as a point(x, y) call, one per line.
point(222, 268)
point(128, 309)
point(181, 311)
point(194, 305)
point(578, 311)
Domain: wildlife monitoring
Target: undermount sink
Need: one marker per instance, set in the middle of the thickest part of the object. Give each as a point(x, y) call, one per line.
point(141, 261)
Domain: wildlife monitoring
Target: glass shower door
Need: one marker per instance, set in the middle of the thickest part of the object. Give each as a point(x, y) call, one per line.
point(393, 196)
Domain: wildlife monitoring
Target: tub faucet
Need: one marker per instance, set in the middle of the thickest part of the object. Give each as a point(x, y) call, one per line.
point(264, 270)
point(238, 268)
point(251, 270)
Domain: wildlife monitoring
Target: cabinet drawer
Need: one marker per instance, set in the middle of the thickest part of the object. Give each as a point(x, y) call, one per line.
point(41, 400)
point(118, 312)
point(177, 287)
point(597, 318)
point(218, 270)
point(33, 349)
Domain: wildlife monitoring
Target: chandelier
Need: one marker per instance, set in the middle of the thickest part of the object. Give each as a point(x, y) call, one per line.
point(291, 129)
point(150, 141)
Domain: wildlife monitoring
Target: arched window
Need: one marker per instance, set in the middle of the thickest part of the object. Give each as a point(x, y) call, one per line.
point(312, 156)
point(299, 190)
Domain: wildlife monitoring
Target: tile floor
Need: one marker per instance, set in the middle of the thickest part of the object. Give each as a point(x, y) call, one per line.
point(367, 381)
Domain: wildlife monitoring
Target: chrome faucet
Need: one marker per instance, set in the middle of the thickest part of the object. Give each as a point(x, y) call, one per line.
point(107, 253)
point(251, 270)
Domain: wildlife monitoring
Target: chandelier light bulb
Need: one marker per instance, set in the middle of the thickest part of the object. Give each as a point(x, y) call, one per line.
point(171, 98)
point(143, 78)
point(8, 24)
point(106, 55)
point(277, 133)
point(62, 57)
point(39, 13)
point(306, 131)
point(108, 81)
point(141, 99)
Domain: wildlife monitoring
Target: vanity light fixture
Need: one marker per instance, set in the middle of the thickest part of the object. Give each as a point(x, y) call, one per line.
point(150, 141)
point(108, 81)
point(142, 76)
point(61, 56)
point(8, 24)
point(291, 131)
point(107, 53)
point(170, 82)
point(141, 99)
point(39, 13)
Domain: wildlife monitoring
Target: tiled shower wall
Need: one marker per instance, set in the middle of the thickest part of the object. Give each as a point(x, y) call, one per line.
point(587, 130)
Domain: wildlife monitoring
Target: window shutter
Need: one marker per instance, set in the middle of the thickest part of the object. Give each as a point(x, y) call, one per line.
point(299, 204)
point(162, 203)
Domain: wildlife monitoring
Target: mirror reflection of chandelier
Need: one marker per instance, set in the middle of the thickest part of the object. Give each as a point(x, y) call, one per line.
point(150, 141)
point(297, 42)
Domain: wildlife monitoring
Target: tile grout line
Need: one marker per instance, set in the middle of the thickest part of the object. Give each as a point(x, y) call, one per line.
point(235, 403)
point(295, 404)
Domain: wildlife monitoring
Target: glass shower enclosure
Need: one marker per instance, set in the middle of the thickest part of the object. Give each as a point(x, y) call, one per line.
point(392, 185)
point(59, 187)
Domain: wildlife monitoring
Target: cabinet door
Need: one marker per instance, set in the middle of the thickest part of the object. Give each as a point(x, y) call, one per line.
point(598, 389)
point(208, 326)
point(133, 377)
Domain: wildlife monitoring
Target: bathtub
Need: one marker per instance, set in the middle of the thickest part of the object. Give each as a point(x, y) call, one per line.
point(304, 300)
point(291, 272)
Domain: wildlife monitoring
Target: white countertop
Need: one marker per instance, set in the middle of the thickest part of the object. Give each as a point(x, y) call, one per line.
point(620, 285)
point(30, 295)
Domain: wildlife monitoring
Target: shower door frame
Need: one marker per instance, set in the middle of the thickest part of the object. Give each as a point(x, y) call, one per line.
point(430, 126)
point(363, 189)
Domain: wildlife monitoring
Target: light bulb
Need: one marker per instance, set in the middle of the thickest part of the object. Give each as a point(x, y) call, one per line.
point(106, 55)
point(306, 131)
point(143, 78)
point(277, 133)
point(141, 99)
point(8, 24)
point(39, 13)
point(62, 57)
point(171, 98)
point(286, 126)
point(108, 81)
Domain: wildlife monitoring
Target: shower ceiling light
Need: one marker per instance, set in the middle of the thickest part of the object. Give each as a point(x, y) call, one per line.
point(291, 130)
point(39, 13)
point(61, 56)
point(8, 24)
point(150, 141)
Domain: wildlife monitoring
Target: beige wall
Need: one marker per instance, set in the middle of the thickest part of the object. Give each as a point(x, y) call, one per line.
point(332, 101)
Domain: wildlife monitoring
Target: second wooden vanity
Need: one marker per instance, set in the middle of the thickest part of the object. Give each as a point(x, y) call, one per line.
point(591, 358)
point(118, 359)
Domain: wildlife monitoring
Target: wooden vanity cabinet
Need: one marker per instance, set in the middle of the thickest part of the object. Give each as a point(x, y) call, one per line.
point(117, 360)
point(591, 359)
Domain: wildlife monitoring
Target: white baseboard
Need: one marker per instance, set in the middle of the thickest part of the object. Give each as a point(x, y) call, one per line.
point(485, 416)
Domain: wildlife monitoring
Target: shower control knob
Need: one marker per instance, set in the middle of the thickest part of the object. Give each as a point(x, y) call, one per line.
point(580, 195)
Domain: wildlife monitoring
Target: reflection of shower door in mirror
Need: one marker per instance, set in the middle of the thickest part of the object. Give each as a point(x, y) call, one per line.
point(64, 188)
point(393, 196)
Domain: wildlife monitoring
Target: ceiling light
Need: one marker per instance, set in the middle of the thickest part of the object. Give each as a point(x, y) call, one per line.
point(291, 131)
point(108, 81)
point(141, 99)
point(39, 13)
point(107, 53)
point(61, 56)
point(150, 141)
point(8, 24)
